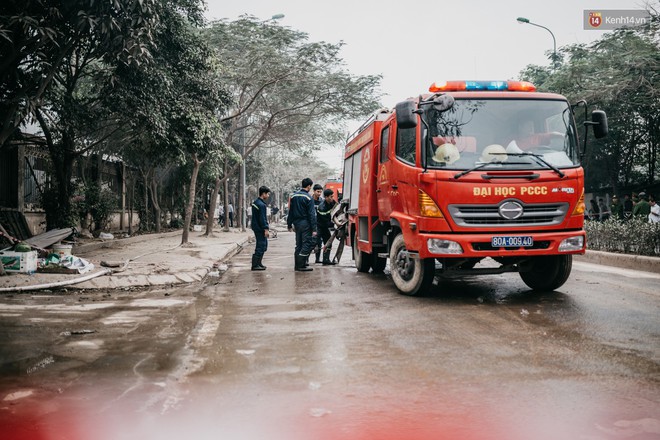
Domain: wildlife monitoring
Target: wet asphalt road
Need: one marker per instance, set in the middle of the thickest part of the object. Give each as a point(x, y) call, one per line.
point(335, 354)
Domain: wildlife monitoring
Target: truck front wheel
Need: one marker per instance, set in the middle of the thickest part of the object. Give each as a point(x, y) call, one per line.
point(411, 275)
point(547, 273)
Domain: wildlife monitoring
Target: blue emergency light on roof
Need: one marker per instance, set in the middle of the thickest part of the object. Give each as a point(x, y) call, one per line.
point(456, 86)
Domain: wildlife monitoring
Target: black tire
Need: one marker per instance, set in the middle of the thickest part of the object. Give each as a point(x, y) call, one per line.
point(548, 273)
point(378, 263)
point(412, 276)
point(362, 259)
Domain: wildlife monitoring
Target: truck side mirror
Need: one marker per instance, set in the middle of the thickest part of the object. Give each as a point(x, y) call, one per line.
point(442, 103)
point(405, 114)
point(599, 122)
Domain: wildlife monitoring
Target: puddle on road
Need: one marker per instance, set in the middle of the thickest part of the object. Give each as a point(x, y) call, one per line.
point(295, 315)
point(125, 317)
point(16, 395)
point(158, 302)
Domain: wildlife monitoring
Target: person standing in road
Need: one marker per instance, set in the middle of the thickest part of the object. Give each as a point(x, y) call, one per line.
point(259, 226)
point(302, 216)
point(324, 222)
point(316, 195)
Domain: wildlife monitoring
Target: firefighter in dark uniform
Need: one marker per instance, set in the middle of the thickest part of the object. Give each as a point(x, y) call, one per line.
point(302, 216)
point(317, 197)
point(324, 223)
point(259, 225)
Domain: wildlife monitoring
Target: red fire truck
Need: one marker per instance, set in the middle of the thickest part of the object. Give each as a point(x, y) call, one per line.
point(336, 185)
point(472, 171)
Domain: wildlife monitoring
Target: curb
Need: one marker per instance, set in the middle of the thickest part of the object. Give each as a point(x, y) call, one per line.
point(626, 261)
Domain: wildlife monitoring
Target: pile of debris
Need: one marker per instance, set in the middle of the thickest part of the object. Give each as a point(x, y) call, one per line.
point(44, 253)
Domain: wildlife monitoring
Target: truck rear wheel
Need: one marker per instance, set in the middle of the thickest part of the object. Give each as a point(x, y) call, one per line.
point(362, 259)
point(548, 272)
point(411, 275)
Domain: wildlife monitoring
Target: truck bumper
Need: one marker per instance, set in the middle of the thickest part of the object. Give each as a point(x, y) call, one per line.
point(480, 245)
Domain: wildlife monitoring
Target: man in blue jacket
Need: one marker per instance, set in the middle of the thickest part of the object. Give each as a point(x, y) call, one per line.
point(259, 225)
point(324, 223)
point(302, 217)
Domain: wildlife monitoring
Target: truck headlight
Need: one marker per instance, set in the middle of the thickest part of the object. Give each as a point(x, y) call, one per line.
point(571, 244)
point(437, 246)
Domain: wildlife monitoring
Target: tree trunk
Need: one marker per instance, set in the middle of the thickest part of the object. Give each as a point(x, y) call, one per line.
point(131, 197)
point(226, 197)
point(63, 164)
point(153, 187)
point(241, 194)
point(191, 200)
point(145, 179)
point(212, 205)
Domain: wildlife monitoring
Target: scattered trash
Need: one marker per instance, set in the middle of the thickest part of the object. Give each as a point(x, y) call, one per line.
point(245, 352)
point(214, 274)
point(62, 249)
point(41, 364)
point(106, 236)
point(77, 332)
point(25, 262)
point(57, 263)
point(524, 312)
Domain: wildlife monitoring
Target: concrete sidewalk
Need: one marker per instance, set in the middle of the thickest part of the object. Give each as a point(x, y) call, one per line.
point(142, 261)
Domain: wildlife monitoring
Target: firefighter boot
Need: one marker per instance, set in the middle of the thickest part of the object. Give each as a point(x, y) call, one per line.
point(300, 264)
point(326, 259)
point(255, 263)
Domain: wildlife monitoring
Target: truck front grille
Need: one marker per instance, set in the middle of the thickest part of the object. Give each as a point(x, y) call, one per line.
point(534, 214)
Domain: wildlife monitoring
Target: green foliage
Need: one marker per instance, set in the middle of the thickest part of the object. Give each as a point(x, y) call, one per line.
point(176, 223)
point(635, 236)
point(97, 201)
point(286, 90)
point(58, 215)
point(620, 73)
point(38, 38)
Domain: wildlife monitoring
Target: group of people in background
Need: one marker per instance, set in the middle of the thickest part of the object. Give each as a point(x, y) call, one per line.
point(639, 205)
point(308, 215)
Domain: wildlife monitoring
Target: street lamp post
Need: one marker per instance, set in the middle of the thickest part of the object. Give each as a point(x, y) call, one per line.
point(523, 20)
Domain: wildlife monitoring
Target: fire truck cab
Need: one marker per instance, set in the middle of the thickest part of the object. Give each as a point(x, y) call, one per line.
point(473, 170)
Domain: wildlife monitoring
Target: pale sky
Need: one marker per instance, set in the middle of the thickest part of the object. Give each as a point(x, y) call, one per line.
point(417, 42)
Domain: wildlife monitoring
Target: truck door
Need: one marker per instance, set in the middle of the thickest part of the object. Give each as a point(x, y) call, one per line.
point(384, 181)
point(402, 170)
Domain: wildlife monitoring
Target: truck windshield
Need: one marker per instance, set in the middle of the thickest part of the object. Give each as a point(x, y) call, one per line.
point(505, 134)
